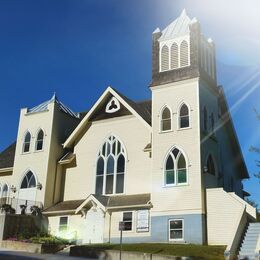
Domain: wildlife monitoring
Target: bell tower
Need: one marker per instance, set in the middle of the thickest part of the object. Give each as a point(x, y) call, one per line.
point(181, 52)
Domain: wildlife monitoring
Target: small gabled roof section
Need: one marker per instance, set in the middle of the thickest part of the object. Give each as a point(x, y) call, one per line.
point(141, 110)
point(7, 157)
point(178, 27)
point(63, 207)
point(44, 107)
point(118, 202)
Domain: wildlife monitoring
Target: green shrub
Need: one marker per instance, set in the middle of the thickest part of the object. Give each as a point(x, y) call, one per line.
point(48, 239)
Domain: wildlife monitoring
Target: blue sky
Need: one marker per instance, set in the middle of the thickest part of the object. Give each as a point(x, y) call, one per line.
point(78, 48)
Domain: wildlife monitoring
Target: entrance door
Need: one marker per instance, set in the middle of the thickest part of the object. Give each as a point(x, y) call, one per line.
point(94, 226)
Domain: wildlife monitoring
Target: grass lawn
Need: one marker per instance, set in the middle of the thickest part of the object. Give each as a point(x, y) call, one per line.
point(198, 251)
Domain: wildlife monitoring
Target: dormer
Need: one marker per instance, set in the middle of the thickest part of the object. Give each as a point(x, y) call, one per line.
point(181, 52)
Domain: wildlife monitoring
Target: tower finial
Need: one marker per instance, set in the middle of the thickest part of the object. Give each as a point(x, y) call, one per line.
point(54, 97)
point(183, 13)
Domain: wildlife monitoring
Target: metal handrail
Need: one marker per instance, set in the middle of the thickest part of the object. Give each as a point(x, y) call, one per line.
point(16, 204)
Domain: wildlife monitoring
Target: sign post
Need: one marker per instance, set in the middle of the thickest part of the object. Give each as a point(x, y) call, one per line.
point(121, 228)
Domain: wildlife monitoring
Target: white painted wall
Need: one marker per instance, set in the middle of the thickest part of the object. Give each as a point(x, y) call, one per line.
point(186, 198)
point(80, 181)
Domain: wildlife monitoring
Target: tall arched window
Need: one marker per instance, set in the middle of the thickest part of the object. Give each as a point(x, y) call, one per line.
point(174, 56)
point(175, 169)
point(28, 181)
point(212, 122)
point(166, 119)
point(184, 54)
point(5, 191)
point(110, 171)
point(164, 58)
point(184, 116)
point(27, 142)
point(39, 140)
point(205, 119)
point(211, 169)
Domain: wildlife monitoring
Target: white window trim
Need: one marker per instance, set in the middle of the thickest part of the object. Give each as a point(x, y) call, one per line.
point(160, 119)
point(169, 43)
point(178, 117)
point(133, 220)
point(21, 180)
point(68, 221)
point(188, 42)
point(176, 239)
point(43, 141)
point(175, 184)
point(23, 144)
point(105, 166)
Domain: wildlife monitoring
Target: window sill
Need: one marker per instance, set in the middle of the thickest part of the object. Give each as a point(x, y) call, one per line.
point(24, 153)
point(184, 128)
point(167, 131)
point(38, 151)
point(175, 185)
point(181, 240)
point(113, 194)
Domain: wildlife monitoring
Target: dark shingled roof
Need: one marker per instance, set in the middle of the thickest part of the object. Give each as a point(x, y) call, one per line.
point(143, 108)
point(123, 200)
point(7, 156)
point(64, 206)
point(106, 201)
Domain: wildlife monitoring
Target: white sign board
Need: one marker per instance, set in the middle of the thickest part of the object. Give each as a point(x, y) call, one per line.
point(142, 220)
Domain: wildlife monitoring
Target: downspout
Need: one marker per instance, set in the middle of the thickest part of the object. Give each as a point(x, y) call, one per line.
point(109, 231)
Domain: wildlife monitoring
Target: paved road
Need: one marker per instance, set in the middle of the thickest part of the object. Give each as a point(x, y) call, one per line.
point(7, 254)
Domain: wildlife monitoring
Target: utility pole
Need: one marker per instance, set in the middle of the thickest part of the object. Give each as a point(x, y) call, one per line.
point(121, 228)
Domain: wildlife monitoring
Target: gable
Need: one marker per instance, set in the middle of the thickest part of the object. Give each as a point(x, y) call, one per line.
point(98, 112)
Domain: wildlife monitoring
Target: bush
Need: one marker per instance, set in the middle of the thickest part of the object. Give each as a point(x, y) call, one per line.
point(49, 240)
point(7, 209)
point(41, 238)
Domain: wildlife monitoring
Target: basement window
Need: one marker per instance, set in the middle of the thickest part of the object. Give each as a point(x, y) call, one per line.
point(175, 229)
point(63, 226)
point(128, 220)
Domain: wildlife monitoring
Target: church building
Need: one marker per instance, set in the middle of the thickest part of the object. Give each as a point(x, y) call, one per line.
point(170, 167)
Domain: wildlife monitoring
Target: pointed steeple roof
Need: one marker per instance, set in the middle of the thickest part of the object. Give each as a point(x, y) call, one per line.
point(44, 107)
point(178, 27)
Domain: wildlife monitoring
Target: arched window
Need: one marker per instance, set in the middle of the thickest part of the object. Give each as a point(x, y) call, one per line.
point(164, 58)
point(29, 181)
point(184, 54)
point(166, 119)
point(212, 122)
point(110, 171)
point(205, 119)
point(5, 191)
point(39, 140)
point(211, 166)
point(174, 56)
point(175, 169)
point(184, 116)
point(27, 142)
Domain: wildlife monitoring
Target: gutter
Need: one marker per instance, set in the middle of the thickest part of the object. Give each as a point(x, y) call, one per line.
point(8, 169)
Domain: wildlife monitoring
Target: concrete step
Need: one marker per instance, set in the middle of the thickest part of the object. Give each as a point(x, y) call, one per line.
point(249, 242)
point(253, 230)
point(247, 252)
